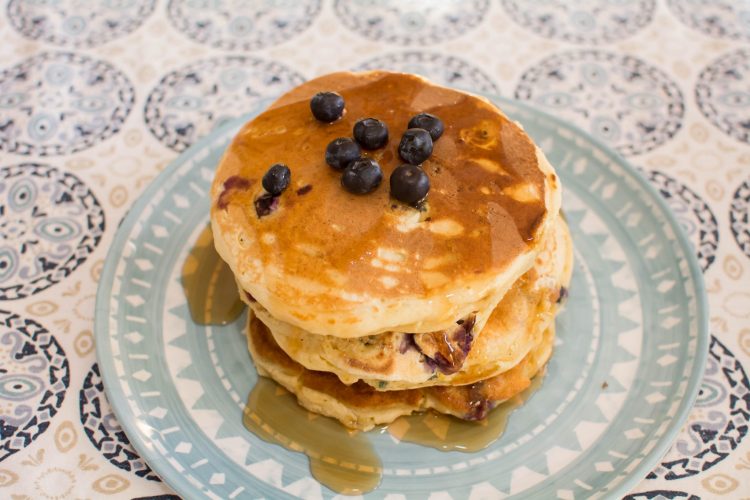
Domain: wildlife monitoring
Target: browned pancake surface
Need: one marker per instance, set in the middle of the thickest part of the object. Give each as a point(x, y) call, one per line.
point(479, 170)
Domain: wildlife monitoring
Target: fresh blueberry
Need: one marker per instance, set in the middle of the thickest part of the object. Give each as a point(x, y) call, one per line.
point(276, 179)
point(327, 106)
point(409, 183)
point(362, 176)
point(341, 152)
point(415, 146)
point(371, 133)
point(430, 123)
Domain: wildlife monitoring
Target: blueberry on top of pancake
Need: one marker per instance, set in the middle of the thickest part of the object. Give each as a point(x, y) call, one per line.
point(339, 263)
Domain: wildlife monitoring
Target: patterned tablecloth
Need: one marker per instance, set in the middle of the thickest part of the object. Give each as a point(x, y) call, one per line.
point(97, 97)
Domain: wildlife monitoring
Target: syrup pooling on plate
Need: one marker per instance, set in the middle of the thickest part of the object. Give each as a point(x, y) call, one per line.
point(342, 459)
point(209, 285)
point(447, 433)
point(345, 460)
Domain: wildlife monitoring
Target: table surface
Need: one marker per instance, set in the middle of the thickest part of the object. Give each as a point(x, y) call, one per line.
point(97, 97)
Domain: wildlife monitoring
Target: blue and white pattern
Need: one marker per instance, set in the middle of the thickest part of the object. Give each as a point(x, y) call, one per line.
point(717, 18)
point(440, 68)
point(718, 422)
point(723, 94)
point(34, 376)
point(623, 101)
point(242, 24)
point(417, 22)
point(739, 216)
point(694, 214)
point(51, 222)
point(75, 77)
point(187, 384)
point(57, 103)
point(103, 429)
point(189, 102)
point(65, 24)
point(599, 21)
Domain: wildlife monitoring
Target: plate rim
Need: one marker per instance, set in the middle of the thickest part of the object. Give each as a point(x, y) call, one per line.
point(118, 399)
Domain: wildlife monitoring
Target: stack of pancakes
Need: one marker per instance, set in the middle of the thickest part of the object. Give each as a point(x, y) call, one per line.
point(367, 308)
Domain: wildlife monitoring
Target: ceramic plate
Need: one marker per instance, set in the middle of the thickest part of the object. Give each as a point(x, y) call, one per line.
point(632, 343)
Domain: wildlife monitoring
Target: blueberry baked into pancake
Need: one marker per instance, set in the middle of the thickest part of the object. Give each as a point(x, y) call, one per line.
point(399, 245)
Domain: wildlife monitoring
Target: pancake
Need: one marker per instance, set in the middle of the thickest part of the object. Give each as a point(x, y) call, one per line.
point(397, 360)
point(360, 406)
point(333, 263)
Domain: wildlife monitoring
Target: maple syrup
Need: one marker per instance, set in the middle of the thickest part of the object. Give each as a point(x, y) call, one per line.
point(342, 459)
point(447, 433)
point(209, 284)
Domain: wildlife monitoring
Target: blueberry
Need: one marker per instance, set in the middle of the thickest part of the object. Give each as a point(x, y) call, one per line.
point(409, 184)
point(276, 179)
point(430, 123)
point(415, 146)
point(266, 204)
point(362, 176)
point(341, 152)
point(327, 106)
point(371, 133)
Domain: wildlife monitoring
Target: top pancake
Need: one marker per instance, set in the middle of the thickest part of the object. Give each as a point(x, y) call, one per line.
point(336, 263)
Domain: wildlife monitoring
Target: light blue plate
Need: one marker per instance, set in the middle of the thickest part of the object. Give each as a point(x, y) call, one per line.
point(625, 372)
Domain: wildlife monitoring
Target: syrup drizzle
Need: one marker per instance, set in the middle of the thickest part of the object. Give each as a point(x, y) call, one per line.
point(209, 284)
point(446, 433)
point(342, 459)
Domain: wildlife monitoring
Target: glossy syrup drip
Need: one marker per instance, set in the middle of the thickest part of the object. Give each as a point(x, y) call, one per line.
point(343, 460)
point(446, 433)
point(209, 284)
